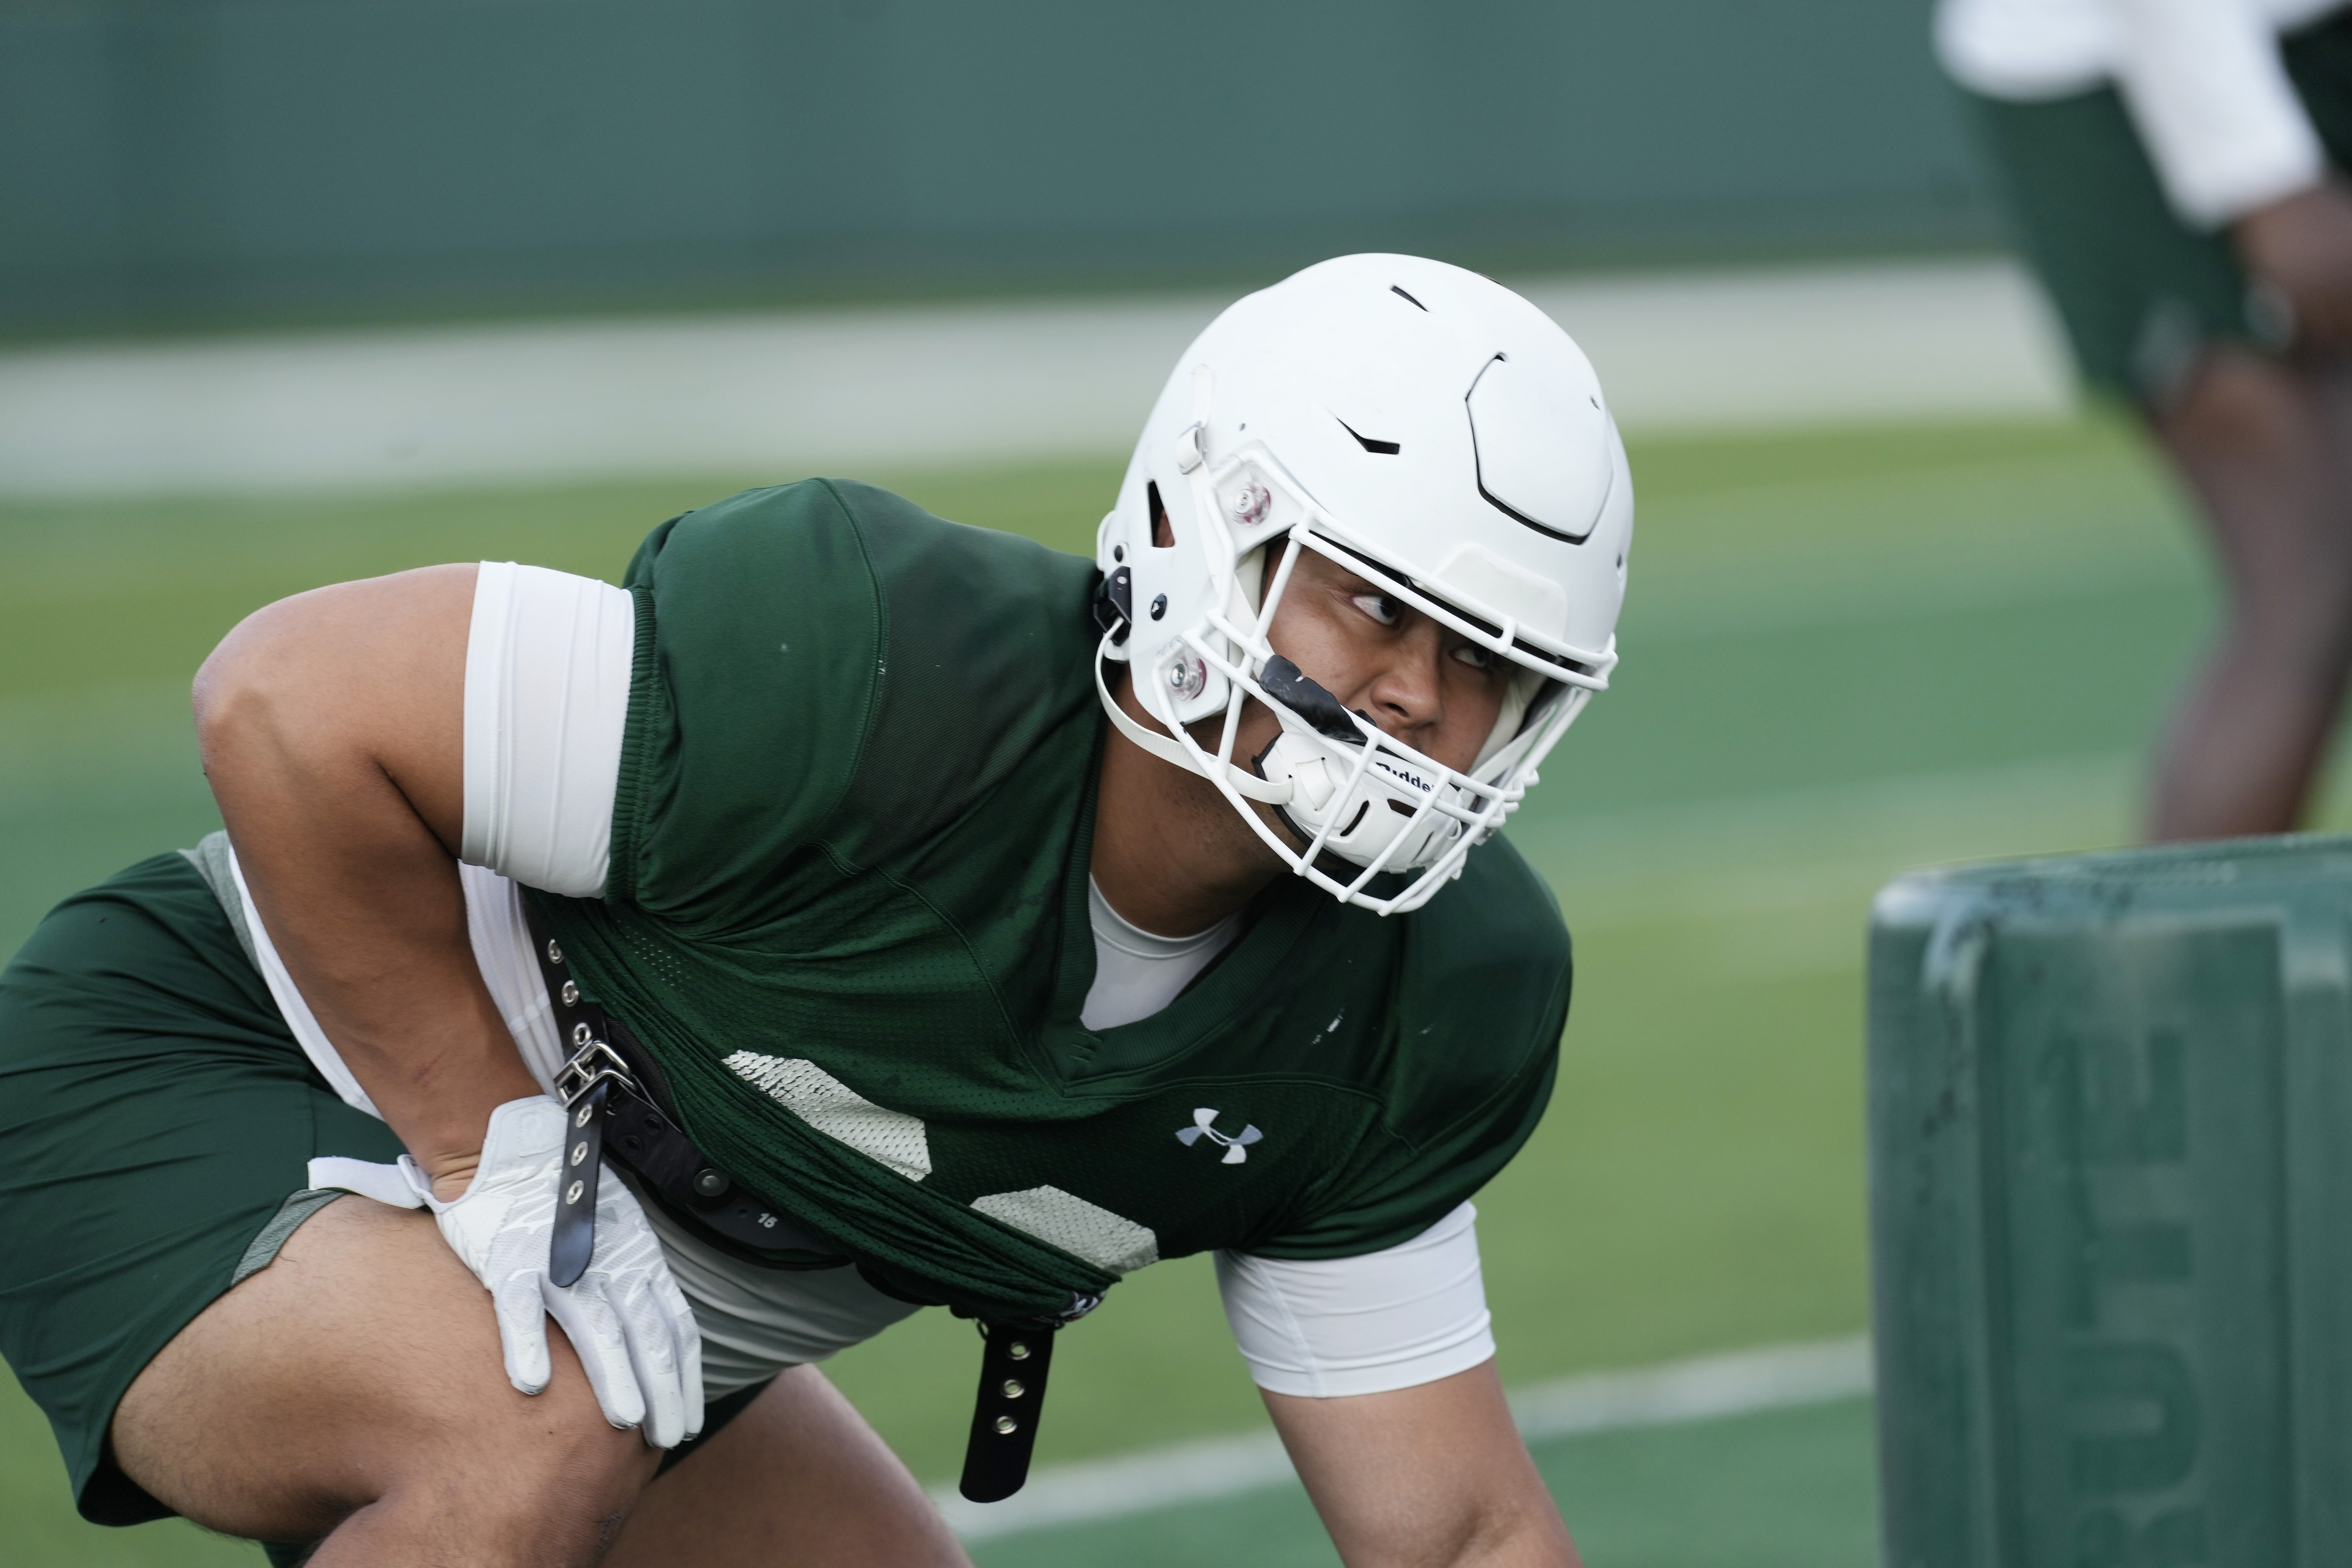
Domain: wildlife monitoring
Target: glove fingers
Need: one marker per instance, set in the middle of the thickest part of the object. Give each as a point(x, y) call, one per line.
point(522, 1332)
point(690, 1374)
point(652, 1356)
point(686, 1335)
point(594, 1330)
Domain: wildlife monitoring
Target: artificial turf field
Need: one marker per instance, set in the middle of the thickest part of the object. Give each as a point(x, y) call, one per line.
point(1846, 654)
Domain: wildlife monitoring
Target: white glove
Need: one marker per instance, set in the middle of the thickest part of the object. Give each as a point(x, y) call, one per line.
point(625, 1317)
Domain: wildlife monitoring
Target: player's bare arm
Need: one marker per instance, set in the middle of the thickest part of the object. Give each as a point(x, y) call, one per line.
point(332, 728)
point(2300, 245)
point(1430, 1474)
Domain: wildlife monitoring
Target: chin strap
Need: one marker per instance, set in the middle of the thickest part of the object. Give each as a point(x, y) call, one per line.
point(1168, 749)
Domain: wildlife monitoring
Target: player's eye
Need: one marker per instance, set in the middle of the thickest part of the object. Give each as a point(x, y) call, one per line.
point(1474, 656)
point(1385, 608)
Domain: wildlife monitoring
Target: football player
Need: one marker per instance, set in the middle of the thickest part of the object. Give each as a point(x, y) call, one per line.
point(853, 912)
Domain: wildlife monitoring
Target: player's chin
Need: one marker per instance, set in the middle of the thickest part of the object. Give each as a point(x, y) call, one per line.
point(1284, 829)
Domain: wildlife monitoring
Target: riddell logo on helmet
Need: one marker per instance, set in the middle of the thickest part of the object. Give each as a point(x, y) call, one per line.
point(1405, 776)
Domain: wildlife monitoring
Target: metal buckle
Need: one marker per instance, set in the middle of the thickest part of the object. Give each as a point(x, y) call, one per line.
point(593, 1063)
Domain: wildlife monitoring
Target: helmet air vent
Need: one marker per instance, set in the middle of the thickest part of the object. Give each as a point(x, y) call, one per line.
point(1163, 532)
point(1399, 291)
point(1385, 448)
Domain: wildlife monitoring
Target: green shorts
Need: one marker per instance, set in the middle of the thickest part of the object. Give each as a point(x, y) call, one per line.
point(2140, 291)
point(156, 1117)
point(156, 1120)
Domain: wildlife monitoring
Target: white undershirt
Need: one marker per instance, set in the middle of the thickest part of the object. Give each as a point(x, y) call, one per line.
point(2202, 77)
point(547, 677)
point(1136, 973)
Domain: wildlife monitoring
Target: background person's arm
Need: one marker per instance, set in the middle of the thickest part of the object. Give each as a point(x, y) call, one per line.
point(1423, 1475)
point(333, 726)
point(2234, 148)
point(2301, 246)
point(2212, 100)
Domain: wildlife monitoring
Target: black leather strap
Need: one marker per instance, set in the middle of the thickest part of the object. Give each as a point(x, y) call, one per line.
point(634, 1125)
point(1014, 1361)
point(575, 1209)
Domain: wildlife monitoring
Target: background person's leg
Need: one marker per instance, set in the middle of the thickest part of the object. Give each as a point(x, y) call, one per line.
point(2267, 447)
point(798, 1478)
point(354, 1390)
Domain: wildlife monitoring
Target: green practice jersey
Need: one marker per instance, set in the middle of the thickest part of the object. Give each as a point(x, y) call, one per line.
point(846, 912)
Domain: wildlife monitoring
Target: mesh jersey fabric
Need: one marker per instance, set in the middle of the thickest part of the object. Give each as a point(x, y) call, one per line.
point(846, 911)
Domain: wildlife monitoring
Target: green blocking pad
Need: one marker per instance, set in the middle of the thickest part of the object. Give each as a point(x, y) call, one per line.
point(2111, 1208)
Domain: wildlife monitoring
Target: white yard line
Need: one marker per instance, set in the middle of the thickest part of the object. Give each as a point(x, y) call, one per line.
point(788, 393)
point(1704, 1389)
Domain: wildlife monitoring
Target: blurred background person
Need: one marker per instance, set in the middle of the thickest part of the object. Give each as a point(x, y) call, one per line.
point(2174, 168)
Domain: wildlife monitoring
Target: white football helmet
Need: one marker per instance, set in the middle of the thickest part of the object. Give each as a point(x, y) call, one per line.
point(1440, 437)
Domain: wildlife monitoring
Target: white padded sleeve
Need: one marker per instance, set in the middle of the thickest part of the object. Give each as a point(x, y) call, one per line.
point(1395, 1319)
point(2206, 86)
point(547, 697)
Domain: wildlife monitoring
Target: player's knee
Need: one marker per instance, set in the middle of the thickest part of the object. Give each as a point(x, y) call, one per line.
point(549, 1497)
point(2242, 402)
point(568, 1507)
point(2301, 626)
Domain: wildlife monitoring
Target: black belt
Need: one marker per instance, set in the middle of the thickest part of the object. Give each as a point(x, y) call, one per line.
point(621, 1108)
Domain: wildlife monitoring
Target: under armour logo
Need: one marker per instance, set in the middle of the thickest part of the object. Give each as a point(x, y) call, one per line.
point(1236, 1148)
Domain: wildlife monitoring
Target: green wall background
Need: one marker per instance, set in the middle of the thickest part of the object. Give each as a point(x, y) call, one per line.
point(175, 161)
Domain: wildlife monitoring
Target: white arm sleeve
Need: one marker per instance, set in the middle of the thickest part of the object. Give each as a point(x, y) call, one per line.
point(547, 696)
point(2212, 101)
point(1395, 1319)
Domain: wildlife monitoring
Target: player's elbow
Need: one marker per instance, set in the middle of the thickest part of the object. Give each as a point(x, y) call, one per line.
point(242, 683)
point(1525, 1531)
point(257, 688)
point(1504, 1519)
point(355, 669)
point(317, 702)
